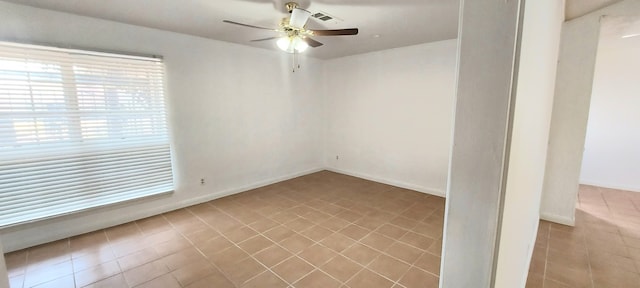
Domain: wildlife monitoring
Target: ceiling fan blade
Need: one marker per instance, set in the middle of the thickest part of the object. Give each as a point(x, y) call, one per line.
point(247, 25)
point(336, 32)
point(311, 42)
point(299, 18)
point(264, 39)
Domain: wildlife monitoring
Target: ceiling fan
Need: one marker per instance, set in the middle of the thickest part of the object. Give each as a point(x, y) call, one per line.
point(297, 38)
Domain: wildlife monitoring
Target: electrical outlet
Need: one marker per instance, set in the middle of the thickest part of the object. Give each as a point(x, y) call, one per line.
point(201, 181)
point(337, 157)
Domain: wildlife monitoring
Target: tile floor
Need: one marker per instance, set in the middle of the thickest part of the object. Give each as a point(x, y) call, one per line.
point(325, 230)
point(321, 230)
point(602, 250)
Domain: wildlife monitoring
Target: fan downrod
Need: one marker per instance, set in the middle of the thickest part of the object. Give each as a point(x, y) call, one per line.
point(291, 5)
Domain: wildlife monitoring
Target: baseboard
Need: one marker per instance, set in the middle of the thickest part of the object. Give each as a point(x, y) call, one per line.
point(17, 243)
point(198, 200)
point(610, 186)
point(558, 219)
point(426, 190)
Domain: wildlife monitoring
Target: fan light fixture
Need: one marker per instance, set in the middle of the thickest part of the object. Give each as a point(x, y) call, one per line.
point(297, 37)
point(292, 44)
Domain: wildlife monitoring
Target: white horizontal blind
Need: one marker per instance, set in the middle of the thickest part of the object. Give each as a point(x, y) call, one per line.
point(78, 130)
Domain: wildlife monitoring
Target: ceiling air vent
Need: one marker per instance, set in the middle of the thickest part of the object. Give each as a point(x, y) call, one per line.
point(324, 16)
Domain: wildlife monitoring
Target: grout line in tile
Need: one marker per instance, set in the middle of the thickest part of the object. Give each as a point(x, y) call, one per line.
point(546, 256)
point(195, 247)
point(236, 244)
point(316, 242)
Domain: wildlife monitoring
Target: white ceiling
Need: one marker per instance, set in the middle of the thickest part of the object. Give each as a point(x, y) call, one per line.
point(383, 24)
point(620, 28)
point(577, 8)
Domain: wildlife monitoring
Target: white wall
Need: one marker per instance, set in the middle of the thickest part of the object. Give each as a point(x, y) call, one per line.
point(535, 85)
point(239, 117)
point(4, 277)
point(389, 115)
point(571, 109)
point(612, 149)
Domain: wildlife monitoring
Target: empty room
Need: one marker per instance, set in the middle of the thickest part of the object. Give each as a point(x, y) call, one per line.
point(310, 143)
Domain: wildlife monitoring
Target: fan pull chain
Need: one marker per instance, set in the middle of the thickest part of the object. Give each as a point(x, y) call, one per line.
point(295, 63)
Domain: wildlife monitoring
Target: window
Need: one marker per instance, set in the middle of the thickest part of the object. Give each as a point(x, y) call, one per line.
point(79, 130)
